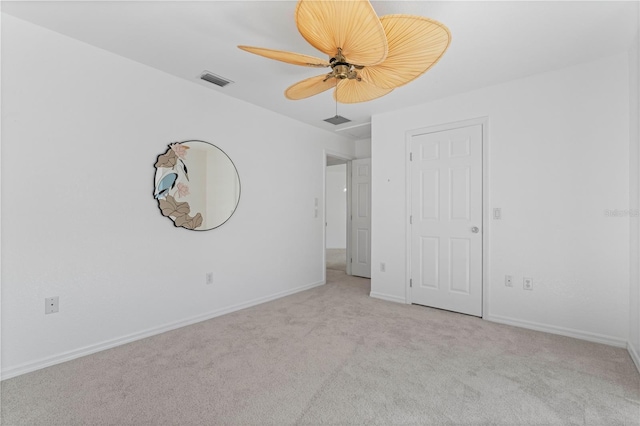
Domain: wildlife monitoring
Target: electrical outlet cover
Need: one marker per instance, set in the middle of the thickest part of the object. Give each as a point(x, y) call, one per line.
point(527, 283)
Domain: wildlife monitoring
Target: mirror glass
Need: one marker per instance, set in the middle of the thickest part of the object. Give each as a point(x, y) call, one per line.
point(196, 185)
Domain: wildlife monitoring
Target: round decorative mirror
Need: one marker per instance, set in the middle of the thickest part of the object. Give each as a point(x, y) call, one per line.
point(196, 185)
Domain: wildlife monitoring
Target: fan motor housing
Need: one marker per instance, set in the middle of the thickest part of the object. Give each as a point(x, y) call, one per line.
point(341, 70)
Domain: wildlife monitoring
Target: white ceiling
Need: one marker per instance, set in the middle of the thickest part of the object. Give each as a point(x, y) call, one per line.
point(492, 42)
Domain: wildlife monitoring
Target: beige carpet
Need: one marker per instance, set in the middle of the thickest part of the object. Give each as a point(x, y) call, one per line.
point(333, 355)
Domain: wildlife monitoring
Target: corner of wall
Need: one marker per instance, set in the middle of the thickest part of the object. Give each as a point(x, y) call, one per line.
point(634, 199)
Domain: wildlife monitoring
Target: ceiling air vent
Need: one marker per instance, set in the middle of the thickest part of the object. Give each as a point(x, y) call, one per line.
point(215, 79)
point(338, 119)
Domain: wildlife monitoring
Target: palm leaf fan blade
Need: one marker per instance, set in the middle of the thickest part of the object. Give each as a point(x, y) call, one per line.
point(415, 45)
point(353, 91)
point(309, 87)
point(352, 26)
point(288, 57)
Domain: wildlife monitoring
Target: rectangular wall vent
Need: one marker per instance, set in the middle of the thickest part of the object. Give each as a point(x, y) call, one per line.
point(338, 119)
point(215, 79)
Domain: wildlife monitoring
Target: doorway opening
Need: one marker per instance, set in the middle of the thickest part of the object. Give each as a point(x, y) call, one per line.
point(337, 212)
point(347, 213)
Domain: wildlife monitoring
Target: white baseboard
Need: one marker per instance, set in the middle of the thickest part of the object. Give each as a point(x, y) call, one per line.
point(634, 355)
point(88, 350)
point(387, 297)
point(562, 331)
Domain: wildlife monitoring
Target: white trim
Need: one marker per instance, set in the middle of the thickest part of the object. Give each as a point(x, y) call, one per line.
point(1, 351)
point(387, 297)
point(349, 214)
point(562, 331)
point(88, 350)
point(634, 355)
point(323, 265)
point(407, 231)
point(486, 206)
point(486, 216)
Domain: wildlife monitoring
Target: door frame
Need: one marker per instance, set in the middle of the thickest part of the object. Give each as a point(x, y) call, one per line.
point(348, 159)
point(486, 205)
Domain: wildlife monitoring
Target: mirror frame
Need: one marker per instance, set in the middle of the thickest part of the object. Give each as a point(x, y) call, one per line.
point(170, 159)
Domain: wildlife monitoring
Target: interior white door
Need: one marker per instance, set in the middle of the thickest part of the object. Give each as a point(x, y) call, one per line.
point(361, 218)
point(446, 219)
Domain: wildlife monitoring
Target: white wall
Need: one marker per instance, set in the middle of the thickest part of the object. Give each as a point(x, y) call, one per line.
point(363, 148)
point(81, 131)
point(336, 206)
point(558, 158)
point(634, 199)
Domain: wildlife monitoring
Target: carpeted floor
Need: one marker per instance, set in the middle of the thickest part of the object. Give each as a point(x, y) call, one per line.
point(333, 355)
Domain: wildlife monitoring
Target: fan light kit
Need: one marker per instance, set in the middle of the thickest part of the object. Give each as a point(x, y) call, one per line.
point(368, 56)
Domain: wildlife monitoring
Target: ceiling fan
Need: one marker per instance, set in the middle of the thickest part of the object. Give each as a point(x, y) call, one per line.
point(368, 56)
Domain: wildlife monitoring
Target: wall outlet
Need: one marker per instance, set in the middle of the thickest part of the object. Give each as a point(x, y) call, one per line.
point(527, 283)
point(497, 213)
point(209, 279)
point(51, 305)
point(383, 267)
point(508, 280)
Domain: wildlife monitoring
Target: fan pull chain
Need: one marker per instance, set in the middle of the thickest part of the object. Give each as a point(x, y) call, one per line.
point(337, 98)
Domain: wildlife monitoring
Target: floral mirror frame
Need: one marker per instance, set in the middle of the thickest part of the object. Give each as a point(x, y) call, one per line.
point(197, 185)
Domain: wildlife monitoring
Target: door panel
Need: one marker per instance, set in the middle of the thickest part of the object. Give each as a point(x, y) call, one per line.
point(430, 250)
point(430, 187)
point(459, 193)
point(361, 218)
point(460, 259)
point(446, 205)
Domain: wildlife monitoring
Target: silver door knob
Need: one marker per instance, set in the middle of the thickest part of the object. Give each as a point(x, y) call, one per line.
point(475, 229)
